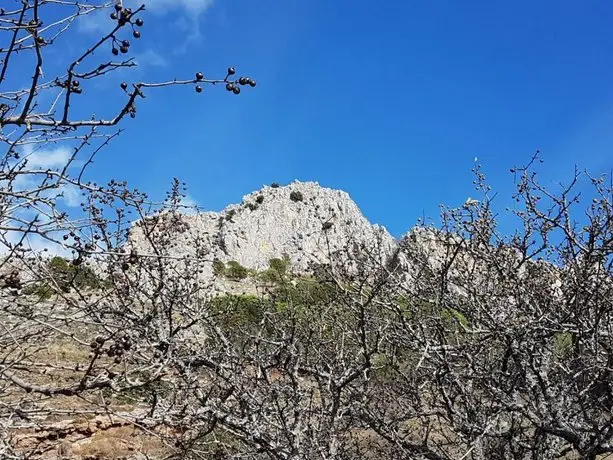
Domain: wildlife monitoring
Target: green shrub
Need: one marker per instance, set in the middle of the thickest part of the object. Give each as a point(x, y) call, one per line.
point(452, 316)
point(58, 265)
point(277, 270)
point(280, 265)
point(219, 268)
point(236, 271)
point(230, 214)
point(269, 276)
point(382, 366)
point(259, 199)
point(238, 311)
point(42, 290)
point(62, 276)
point(405, 305)
point(296, 196)
point(307, 292)
point(252, 206)
point(563, 343)
point(84, 277)
point(66, 275)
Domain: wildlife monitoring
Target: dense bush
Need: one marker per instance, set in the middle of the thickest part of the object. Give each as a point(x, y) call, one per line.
point(230, 214)
point(296, 196)
point(63, 276)
point(67, 274)
point(219, 268)
point(281, 266)
point(277, 270)
point(42, 290)
point(239, 311)
point(235, 271)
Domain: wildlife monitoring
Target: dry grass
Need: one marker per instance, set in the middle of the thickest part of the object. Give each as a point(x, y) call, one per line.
point(90, 440)
point(64, 351)
point(115, 443)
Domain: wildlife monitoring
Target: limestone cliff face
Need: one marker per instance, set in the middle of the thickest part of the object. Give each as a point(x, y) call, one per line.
point(303, 220)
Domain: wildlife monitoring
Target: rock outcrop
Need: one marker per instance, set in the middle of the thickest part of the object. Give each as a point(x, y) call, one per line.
point(304, 221)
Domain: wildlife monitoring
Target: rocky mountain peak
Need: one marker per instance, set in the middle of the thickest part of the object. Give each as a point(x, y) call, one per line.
point(303, 220)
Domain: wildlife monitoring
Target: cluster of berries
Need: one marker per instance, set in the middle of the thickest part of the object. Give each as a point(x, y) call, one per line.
point(74, 85)
point(123, 16)
point(116, 349)
point(233, 87)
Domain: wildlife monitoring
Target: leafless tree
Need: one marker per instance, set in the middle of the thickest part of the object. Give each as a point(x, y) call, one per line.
point(47, 109)
point(502, 343)
point(50, 134)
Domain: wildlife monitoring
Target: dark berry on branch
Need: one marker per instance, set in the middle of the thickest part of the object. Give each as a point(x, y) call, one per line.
point(124, 85)
point(139, 22)
point(115, 51)
point(199, 76)
point(126, 43)
point(230, 87)
point(236, 90)
point(114, 16)
point(252, 83)
point(75, 83)
point(118, 7)
point(231, 70)
point(243, 81)
point(123, 49)
point(198, 88)
point(136, 34)
point(40, 40)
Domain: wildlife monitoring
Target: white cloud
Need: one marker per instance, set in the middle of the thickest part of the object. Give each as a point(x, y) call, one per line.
point(191, 6)
point(151, 58)
point(189, 205)
point(63, 197)
point(186, 13)
point(71, 195)
point(38, 244)
point(35, 243)
point(36, 160)
point(56, 158)
point(47, 159)
point(96, 22)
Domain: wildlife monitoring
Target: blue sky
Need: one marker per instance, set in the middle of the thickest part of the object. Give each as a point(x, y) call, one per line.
point(390, 101)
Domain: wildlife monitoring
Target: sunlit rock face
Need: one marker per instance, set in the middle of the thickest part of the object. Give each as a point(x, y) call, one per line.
point(303, 221)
